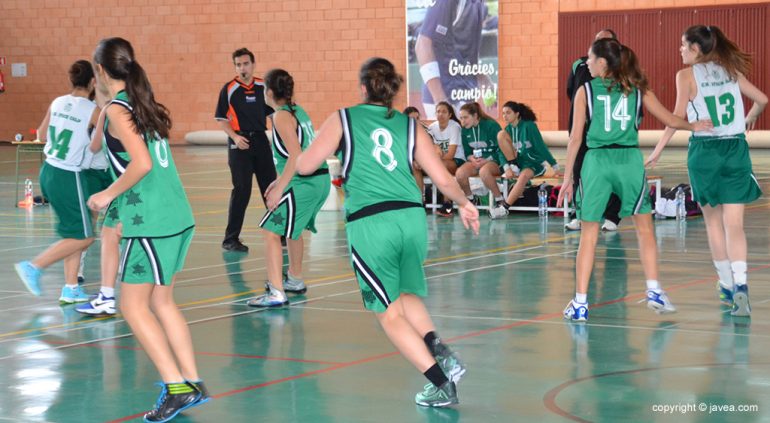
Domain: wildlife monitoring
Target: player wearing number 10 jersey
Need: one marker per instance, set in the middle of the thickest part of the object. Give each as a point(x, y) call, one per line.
point(718, 162)
point(66, 128)
point(610, 105)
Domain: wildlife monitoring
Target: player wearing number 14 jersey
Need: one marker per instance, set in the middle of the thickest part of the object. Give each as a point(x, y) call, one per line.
point(718, 161)
point(66, 128)
point(610, 105)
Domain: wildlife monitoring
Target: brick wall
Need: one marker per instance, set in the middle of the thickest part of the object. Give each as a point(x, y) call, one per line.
point(185, 47)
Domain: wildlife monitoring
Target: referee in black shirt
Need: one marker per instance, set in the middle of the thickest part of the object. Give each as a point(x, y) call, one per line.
point(241, 113)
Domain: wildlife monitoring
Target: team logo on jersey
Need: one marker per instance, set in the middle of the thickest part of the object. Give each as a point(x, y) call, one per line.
point(441, 29)
point(161, 152)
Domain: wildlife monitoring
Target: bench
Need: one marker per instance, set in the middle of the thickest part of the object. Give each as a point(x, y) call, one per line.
point(503, 183)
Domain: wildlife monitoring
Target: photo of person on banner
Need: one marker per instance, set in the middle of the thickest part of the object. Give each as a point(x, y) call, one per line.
point(456, 53)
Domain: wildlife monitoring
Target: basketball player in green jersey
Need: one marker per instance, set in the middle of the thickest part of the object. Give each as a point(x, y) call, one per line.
point(292, 200)
point(386, 226)
point(157, 224)
point(528, 151)
point(610, 104)
point(66, 126)
point(718, 161)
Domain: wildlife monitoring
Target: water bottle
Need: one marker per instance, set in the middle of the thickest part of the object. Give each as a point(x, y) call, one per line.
point(681, 212)
point(542, 201)
point(28, 194)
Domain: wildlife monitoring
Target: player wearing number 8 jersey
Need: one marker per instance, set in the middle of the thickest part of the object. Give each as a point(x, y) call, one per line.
point(610, 105)
point(386, 227)
point(718, 162)
point(66, 126)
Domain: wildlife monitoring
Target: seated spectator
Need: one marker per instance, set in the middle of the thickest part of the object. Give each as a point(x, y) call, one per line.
point(525, 150)
point(479, 138)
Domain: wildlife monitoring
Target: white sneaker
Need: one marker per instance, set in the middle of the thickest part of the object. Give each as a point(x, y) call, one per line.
point(573, 225)
point(501, 210)
point(609, 226)
point(658, 301)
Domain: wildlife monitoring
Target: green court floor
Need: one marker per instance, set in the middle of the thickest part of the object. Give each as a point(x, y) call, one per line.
point(496, 297)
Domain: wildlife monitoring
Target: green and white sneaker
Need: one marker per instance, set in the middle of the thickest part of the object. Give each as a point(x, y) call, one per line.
point(448, 360)
point(443, 396)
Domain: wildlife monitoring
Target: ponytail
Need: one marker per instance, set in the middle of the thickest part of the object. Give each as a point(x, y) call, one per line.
point(381, 80)
point(281, 83)
point(717, 48)
point(149, 117)
point(622, 65)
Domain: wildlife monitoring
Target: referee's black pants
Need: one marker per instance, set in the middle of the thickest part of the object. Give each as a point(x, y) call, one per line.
point(244, 164)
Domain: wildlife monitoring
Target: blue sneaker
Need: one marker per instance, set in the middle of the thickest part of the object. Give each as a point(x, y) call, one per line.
point(725, 295)
point(73, 295)
point(658, 301)
point(98, 304)
point(273, 298)
point(576, 312)
point(741, 306)
point(30, 275)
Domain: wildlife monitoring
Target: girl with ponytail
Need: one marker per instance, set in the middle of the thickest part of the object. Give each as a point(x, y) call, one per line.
point(386, 227)
point(610, 105)
point(292, 200)
point(157, 224)
point(718, 161)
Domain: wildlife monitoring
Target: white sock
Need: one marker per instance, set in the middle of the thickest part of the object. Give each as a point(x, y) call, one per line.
point(653, 284)
point(470, 197)
point(581, 298)
point(107, 292)
point(739, 272)
point(499, 198)
point(71, 285)
point(725, 273)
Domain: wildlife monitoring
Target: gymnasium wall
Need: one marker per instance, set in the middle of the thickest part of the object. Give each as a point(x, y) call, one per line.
point(185, 47)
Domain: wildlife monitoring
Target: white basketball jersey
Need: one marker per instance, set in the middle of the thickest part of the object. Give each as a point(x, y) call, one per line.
point(719, 99)
point(68, 136)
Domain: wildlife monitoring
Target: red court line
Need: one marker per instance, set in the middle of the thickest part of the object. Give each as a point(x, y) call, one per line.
point(549, 399)
point(468, 335)
point(213, 354)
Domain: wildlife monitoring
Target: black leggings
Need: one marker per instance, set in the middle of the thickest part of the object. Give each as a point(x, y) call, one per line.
point(257, 160)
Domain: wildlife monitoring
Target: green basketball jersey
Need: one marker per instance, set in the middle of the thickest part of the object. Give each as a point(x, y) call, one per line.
point(529, 143)
point(157, 205)
point(613, 117)
point(482, 137)
point(376, 152)
point(305, 135)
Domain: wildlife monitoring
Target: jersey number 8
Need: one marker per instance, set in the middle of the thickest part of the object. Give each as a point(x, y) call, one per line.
point(383, 141)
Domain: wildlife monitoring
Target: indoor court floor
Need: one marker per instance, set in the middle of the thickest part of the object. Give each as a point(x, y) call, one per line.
point(496, 297)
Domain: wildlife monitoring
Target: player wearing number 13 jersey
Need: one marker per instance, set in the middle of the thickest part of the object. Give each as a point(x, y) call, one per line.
point(386, 228)
point(718, 162)
point(610, 105)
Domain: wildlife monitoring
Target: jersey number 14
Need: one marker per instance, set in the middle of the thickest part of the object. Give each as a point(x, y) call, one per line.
point(619, 112)
point(60, 143)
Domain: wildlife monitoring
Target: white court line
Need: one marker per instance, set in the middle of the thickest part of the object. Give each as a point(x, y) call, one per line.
point(2, 341)
point(126, 335)
point(24, 248)
point(557, 322)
